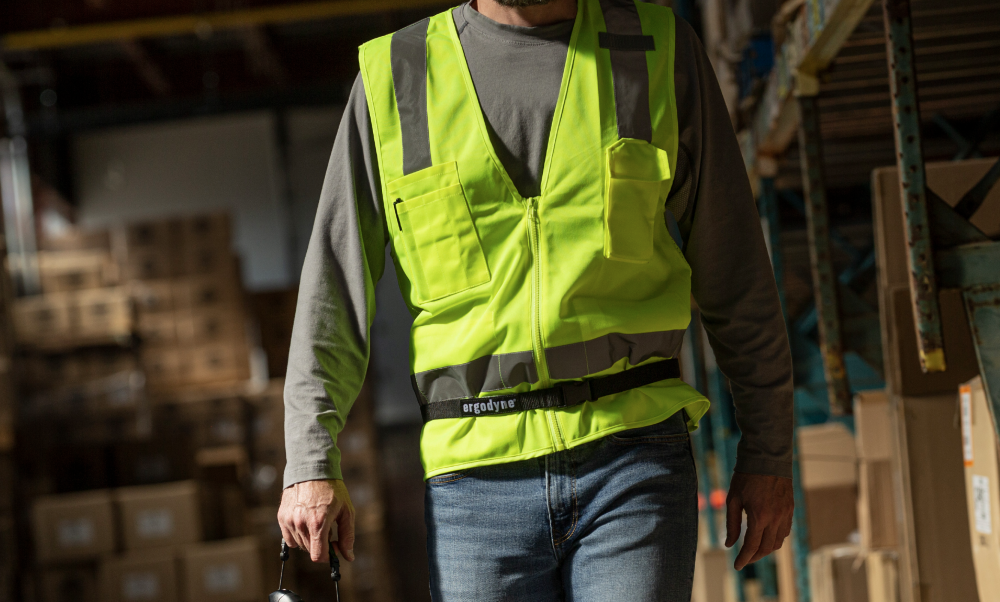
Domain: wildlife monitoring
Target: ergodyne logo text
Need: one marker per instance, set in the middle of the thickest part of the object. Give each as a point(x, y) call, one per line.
point(493, 406)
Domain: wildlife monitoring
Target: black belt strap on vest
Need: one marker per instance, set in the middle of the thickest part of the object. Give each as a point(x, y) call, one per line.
point(560, 396)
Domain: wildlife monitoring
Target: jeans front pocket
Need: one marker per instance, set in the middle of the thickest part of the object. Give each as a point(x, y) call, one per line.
point(635, 175)
point(439, 238)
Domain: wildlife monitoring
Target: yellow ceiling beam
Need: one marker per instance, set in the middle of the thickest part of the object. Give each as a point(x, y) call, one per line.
point(78, 35)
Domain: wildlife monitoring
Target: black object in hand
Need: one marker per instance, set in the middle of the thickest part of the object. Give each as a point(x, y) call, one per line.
point(287, 595)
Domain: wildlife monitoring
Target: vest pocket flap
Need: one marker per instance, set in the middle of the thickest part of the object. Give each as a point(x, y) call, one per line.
point(638, 160)
point(441, 244)
point(424, 181)
point(636, 171)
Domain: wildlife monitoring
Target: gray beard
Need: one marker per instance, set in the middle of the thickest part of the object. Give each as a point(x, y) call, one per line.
point(521, 3)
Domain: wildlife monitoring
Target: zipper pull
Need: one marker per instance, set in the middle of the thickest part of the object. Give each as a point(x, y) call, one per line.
point(396, 209)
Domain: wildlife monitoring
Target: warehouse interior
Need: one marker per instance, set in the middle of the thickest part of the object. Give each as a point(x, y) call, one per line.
point(160, 168)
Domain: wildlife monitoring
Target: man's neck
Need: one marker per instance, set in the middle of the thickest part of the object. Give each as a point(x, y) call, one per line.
point(527, 16)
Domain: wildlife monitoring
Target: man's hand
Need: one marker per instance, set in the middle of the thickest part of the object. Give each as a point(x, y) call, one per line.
point(768, 503)
point(308, 511)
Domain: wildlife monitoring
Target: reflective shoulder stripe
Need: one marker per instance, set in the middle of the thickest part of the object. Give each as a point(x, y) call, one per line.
point(408, 58)
point(626, 43)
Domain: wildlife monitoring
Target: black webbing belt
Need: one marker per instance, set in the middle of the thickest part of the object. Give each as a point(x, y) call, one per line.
point(559, 396)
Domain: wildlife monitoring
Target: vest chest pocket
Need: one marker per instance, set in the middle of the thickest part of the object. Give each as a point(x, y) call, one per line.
point(442, 249)
point(635, 173)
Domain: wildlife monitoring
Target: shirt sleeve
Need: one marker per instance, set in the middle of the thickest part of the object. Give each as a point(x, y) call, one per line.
point(336, 304)
point(732, 280)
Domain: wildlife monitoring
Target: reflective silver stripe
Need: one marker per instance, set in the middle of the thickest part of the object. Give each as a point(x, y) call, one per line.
point(487, 373)
point(408, 59)
point(578, 360)
point(628, 69)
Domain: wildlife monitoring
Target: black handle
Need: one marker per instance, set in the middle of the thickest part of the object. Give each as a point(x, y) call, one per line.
point(334, 564)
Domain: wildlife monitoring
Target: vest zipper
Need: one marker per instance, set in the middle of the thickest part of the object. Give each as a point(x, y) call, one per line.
point(536, 317)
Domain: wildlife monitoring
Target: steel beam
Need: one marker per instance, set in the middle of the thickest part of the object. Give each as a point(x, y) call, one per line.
point(824, 282)
point(910, 160)
point(78, 35)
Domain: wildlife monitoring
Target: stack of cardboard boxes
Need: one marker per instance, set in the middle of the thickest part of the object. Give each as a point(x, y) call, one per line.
point(934, 547)
point(980, 446)
point(138, 544)
point(191, 319)
point(274, 312)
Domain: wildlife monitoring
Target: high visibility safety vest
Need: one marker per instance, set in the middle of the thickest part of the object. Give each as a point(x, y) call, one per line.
point(513, 294)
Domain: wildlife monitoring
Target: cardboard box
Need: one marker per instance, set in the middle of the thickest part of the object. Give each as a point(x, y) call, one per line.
point(166, 367)
point(68, 585)
point(827, 456)
point(222, 475)
point(159, 515)
point(159, 460)
point(712, 581)
point(104, 313)
point(217, 362)
point(70, 527)
point(207, 257)
point(149, 264)
point(208, 228)
point(836, 575)
point(274, 312)
point(208, 292)
point(883, 576)
point(211, 326)
point(147, 576)
point(877, 508)
point(217, 422)
point(828, 468)
point(950, 180)
point(41, 319)
point(75, 270)
point(877, 502)
point(77, 239)
point(784, 562)
point(982, 486)
point(903, 373)
point(936, 561)
point(152, 234)
point(157, 328)
point(152, 296)
point(222, 571)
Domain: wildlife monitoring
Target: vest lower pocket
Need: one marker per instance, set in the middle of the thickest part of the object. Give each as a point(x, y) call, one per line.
point(635, 174)
point(442, 247)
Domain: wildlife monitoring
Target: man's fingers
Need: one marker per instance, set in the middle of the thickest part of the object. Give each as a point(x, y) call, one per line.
point(734, 520)
point(766, 543)
point(345, 534)
point(751, 542)
point(319, 538)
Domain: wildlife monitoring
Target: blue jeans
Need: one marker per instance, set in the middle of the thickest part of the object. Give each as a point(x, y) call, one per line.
point(614, 519)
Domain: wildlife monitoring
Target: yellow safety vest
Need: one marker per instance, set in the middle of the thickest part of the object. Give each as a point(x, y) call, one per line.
point(512, 294)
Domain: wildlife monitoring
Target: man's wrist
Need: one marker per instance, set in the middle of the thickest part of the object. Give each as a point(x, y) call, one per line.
point(764, 466)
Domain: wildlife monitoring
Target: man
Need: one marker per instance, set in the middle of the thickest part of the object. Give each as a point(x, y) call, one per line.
point(555, 179)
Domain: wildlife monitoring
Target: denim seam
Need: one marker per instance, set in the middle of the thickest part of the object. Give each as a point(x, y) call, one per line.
point(576, 508)
point(451, 480)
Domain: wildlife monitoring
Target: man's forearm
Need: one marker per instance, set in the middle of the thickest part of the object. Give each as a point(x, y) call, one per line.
point(329, 350)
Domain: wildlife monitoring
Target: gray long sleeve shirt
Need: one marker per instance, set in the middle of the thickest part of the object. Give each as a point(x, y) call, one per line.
point(517, 73)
